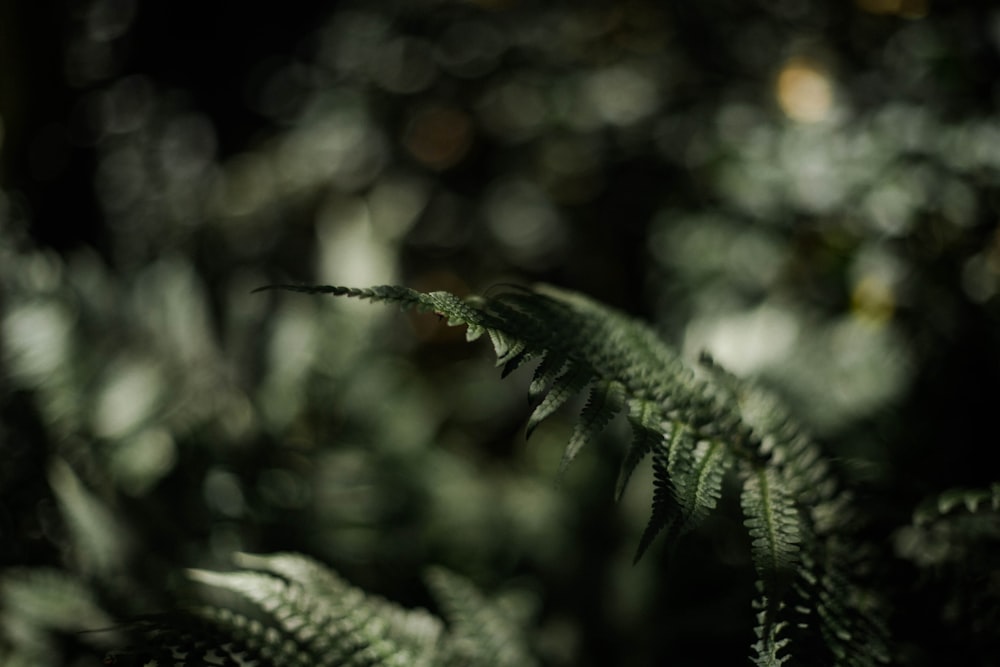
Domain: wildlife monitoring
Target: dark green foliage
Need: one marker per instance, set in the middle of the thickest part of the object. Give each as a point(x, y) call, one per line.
point(154, 415)
point(287, 609)
point(698, 429)
point(481, 631)
point(954, 544)
point(773, 523)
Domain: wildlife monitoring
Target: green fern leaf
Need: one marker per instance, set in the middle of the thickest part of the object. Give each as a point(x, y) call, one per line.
point(549, 368)
point(687, 483)
point(851, 627)
point(289, 610)
point(710, 461)
point(415, 630)
point(773, 523)
point(775, 534)
point(312, 616)
point(606, 400)
point(404, 296)
point(770, 642)
point(971, 501)
point(482, 633)
point(647, 433)
point(696, 428)
point(666, 514)
point(507, 347)
point(568, 384)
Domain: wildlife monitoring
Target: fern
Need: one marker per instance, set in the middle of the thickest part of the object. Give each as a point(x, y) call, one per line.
point(481, 631)
point(952, 542)
point(606, 401)
point(699, 426)
point(287, 609)
point(956, 503)
point(773, 523)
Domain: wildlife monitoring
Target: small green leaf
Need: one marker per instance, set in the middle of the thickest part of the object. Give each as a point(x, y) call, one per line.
point(773, 522)
point(606, 400)
point(570, 383)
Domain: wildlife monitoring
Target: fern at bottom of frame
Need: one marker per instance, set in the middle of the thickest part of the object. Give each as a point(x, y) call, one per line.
point(287, 609)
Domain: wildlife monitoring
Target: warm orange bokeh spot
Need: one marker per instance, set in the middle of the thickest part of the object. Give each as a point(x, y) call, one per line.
point(804, 91)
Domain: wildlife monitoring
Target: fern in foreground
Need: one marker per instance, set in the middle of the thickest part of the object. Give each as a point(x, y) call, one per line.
point(286, 609)
point(698, 426)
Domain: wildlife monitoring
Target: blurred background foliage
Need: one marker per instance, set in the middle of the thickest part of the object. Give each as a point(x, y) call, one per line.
point(807, 189)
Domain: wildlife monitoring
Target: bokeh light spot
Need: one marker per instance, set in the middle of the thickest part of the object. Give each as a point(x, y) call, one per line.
point(439, 137)
point(515, 109)
point(745, 342)
point(404, 65)
point(37, 337)
point(245, 184)
point(909, 9)
point(622, 95)
point(470, 48)
point(283, 488)
point(395, 203)
point(139, 462)
point(804, 91)
point(873, 299)
point(525, 223)
point(126, 106)
point(130, 394)
point(223, 493)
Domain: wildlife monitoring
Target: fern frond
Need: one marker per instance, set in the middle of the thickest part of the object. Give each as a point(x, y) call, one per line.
point(709, 465)
point(607, 398)
point(849, 622)
point(646, 434)
point(971, 501)
point(287, 609)
point(952, 538)
point(669, 444)
point(201, 637)
point(773, 523)
point(414, 630)
point(313, 616)
point(549, 368)
point(404, 296)
point(774, 527)
point(580, 343)
point(666, 514)
point(568, 384)
point(769, 632)
point(697, 427)
point(481, 632)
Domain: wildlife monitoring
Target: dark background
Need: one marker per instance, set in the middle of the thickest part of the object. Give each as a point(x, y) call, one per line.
point(159, 160)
